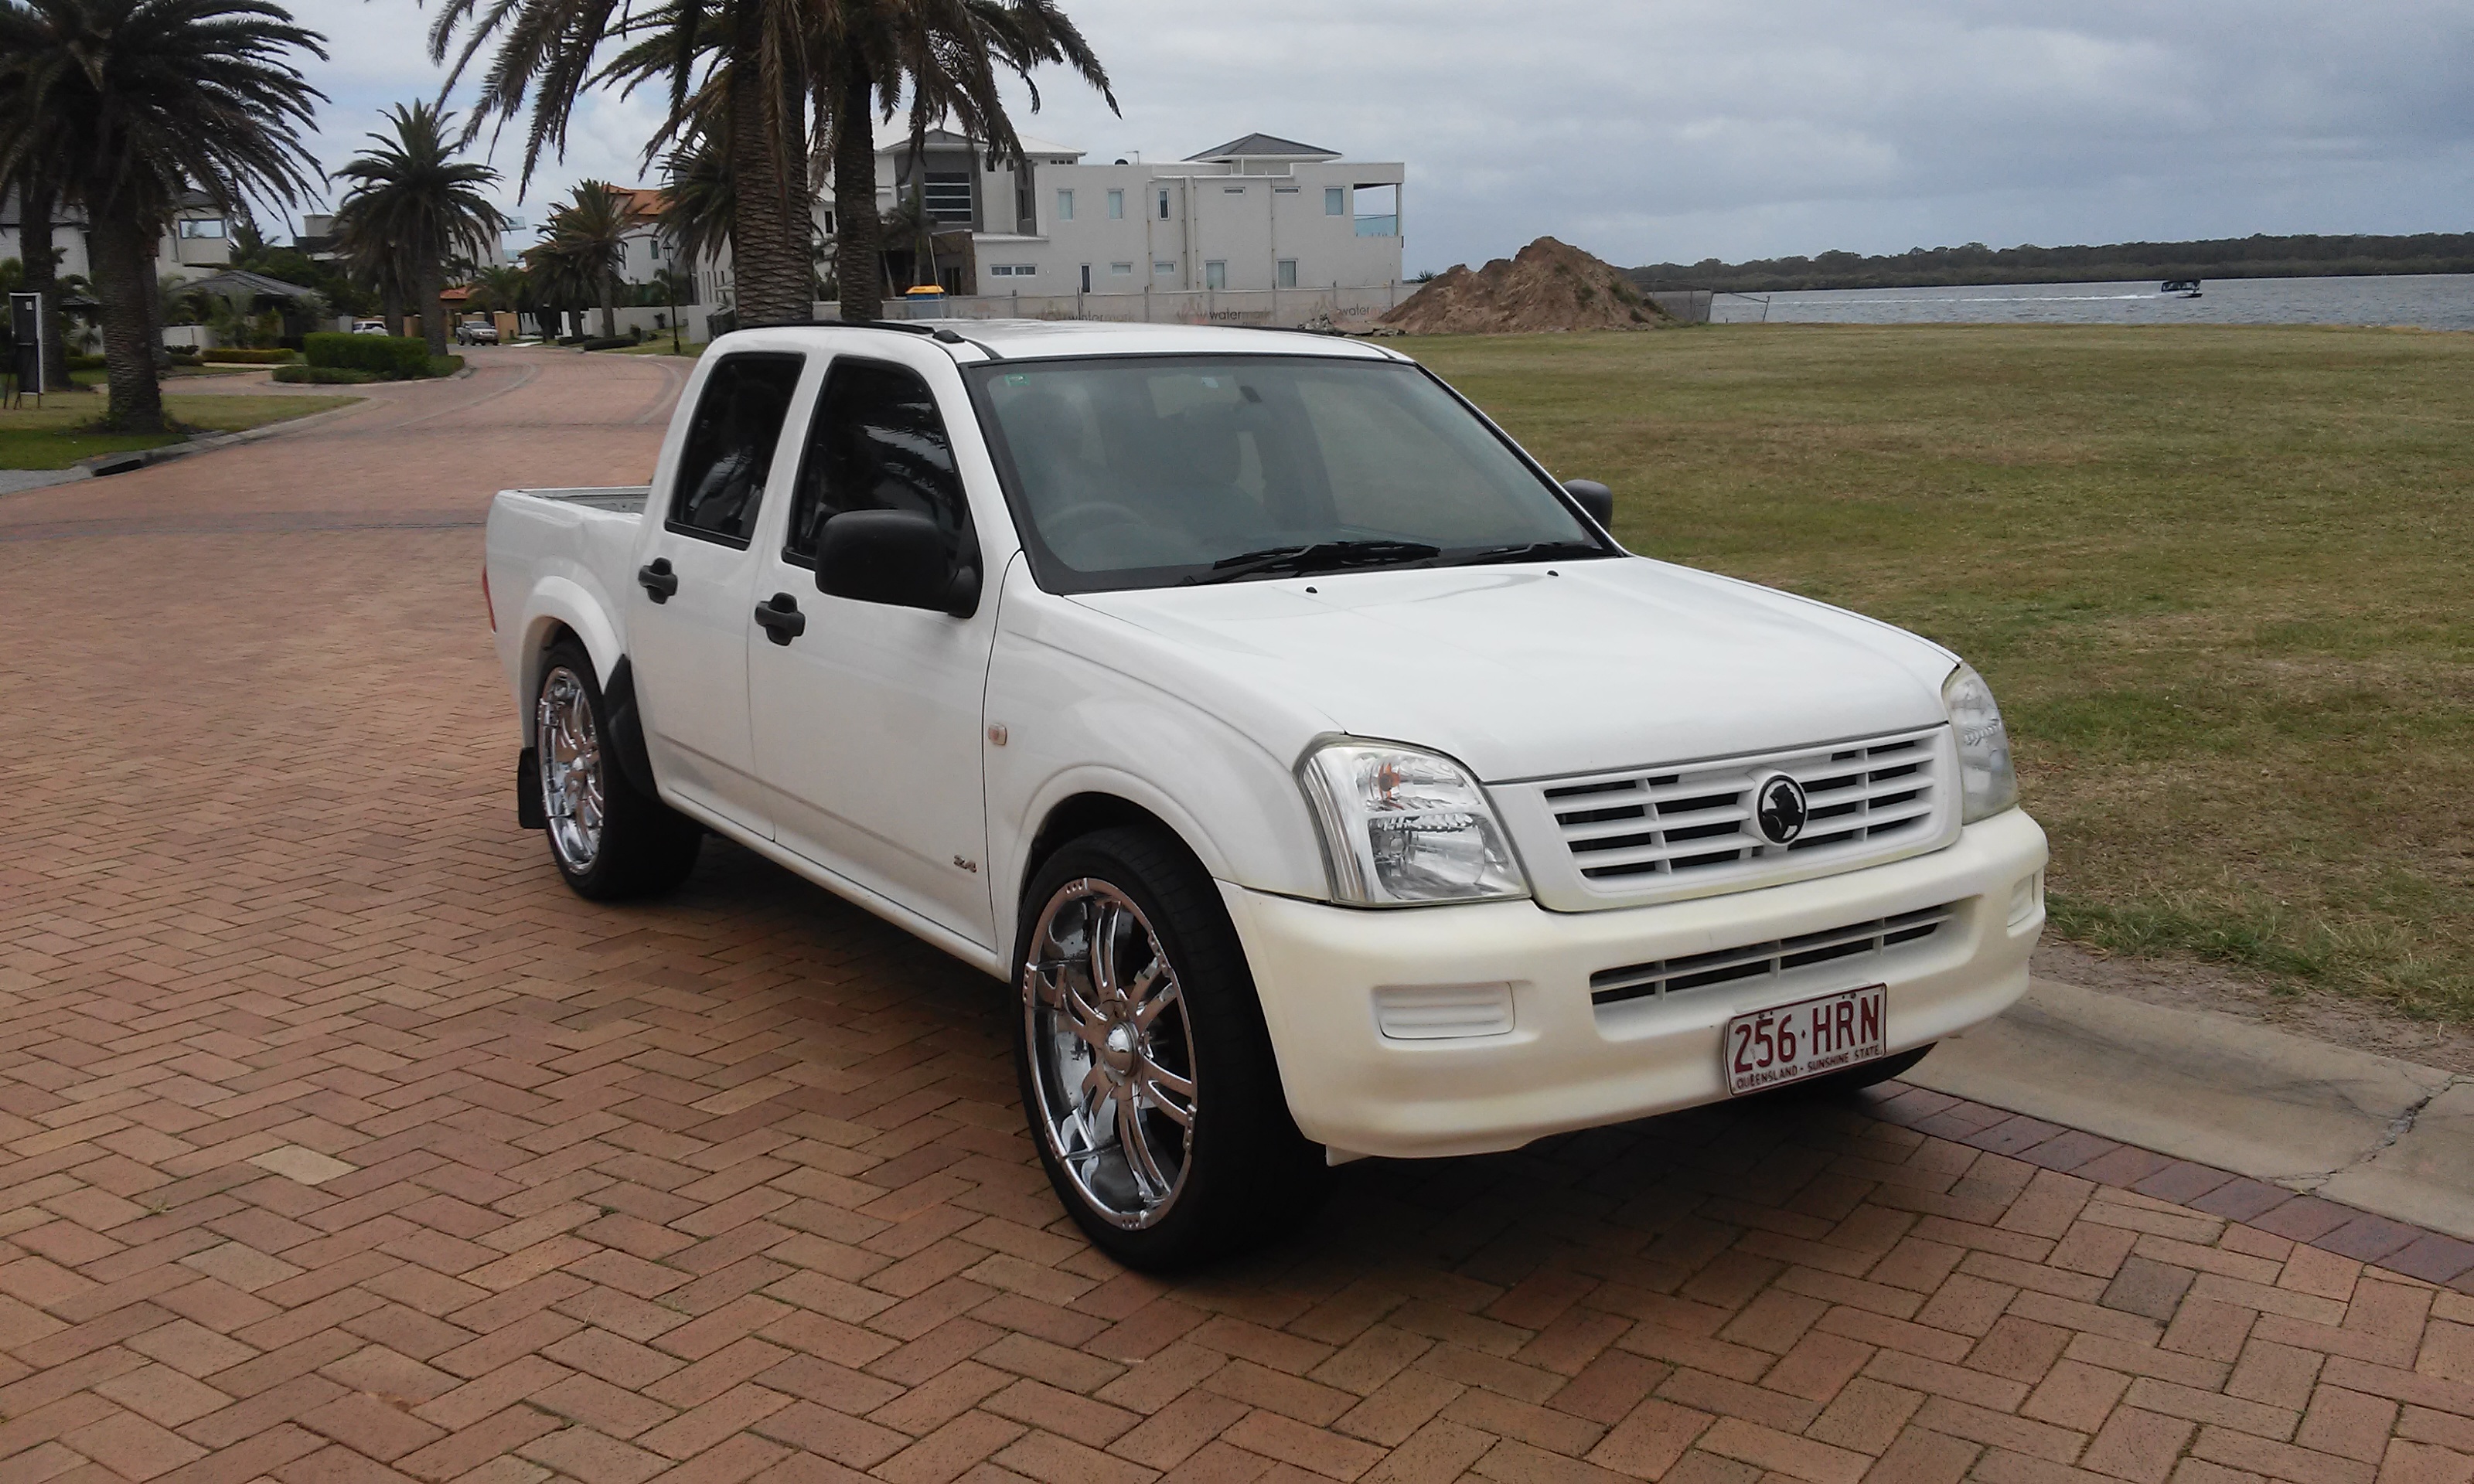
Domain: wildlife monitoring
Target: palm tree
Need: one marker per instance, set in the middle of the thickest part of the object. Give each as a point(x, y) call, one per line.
point(740, 71)
point(698, 207)
point(589, 232)
point(416, 207)
point(946, 57)
point(138, 101)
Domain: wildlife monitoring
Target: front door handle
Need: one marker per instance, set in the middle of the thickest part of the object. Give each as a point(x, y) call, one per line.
point(781, 618)
point(660, 583)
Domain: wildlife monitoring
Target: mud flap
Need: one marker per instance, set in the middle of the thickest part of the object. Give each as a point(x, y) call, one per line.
point(627, 728)
point(529, 812)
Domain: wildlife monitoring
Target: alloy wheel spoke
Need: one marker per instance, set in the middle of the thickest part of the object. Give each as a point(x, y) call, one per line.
point(1158, 1088)
point(1139, 1159)
point(1150, 1008)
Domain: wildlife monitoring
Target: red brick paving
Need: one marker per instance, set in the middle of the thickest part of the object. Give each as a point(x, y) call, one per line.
point(339, 1142)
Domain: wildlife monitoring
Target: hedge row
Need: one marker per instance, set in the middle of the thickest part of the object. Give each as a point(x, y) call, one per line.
point(400, 357)
point(233, 355)
point(325, 376)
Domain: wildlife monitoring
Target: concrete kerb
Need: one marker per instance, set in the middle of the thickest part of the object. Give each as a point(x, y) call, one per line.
point(2381, 1135)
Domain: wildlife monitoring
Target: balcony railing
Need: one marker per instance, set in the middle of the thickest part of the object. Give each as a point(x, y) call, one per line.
point(1379, 226)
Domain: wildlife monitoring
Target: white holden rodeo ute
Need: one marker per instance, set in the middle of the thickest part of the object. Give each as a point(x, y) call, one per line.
point(1320, 774)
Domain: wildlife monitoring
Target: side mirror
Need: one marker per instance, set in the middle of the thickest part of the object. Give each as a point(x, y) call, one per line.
point(1595, 498)
point(895, 557)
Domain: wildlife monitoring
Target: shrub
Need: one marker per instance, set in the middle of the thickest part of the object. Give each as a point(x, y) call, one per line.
point(609, 343)
point(235, 357)
point(445, 365)
point(325, 376)
point(79, 363)
point(400, 357)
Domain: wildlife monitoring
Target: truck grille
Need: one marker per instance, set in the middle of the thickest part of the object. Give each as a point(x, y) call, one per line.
point(1647, 829)
point(1849, 945)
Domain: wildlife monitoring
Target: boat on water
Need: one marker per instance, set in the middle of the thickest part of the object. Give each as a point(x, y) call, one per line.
point(2187, 288)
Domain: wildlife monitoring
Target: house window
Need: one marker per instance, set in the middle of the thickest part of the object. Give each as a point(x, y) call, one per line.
point(1086, 277)
point(1232, 190)
point(1335, 201)
point(202, 227)
point(1214, 275)
point(1163, 203)
point(1120, 270)
point(1284, 190)
point(1163, 267)
point(1288, 273)
point(1116, 206)
point(1013, 270)
point(1065, 205)
point(947, 196)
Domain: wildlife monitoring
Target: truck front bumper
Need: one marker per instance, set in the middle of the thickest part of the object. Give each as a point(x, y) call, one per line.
point(1463, 1030)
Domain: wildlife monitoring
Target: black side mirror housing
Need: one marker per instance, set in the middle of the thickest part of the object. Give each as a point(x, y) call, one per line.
point(1595, 498)
point(895, 557)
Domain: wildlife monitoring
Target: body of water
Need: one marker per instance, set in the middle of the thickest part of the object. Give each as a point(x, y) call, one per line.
point(2433, 301)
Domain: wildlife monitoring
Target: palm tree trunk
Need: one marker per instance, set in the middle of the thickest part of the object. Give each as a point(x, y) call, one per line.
point(43, 274)
point(124, 272)
point(433, 310)
point(772, 218)
point(861, 234)
point(608, 303)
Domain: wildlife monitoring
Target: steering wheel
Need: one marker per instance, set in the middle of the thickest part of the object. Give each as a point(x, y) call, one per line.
point(1075, 521)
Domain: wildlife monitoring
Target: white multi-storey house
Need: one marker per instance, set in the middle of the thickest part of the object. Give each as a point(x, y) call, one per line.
point(1257, 213)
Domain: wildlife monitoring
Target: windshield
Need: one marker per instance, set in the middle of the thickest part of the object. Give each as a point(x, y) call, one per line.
point(1151, 471)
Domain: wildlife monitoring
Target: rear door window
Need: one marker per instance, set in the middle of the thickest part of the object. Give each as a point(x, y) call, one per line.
point(728, 451)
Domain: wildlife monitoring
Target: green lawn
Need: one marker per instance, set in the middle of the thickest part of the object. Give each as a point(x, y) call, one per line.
point(2219, 579)
point(62, 433)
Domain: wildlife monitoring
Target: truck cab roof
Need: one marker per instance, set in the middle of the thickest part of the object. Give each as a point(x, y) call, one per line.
point(977, 340)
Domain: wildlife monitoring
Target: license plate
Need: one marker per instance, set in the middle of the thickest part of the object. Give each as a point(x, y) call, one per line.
point(1765, 1048)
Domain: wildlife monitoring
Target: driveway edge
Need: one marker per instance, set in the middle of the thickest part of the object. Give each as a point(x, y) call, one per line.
point(2270, 1127)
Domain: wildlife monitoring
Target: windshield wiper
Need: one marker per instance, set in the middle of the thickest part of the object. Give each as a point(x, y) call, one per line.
point(1525, 551)
point(1314, 557)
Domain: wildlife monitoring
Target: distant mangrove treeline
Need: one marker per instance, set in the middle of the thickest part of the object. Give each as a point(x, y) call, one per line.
point(2231, 257)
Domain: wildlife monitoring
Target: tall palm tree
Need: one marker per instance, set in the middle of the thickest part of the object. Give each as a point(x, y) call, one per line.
point(947, 57)
point(745, 68)
point(136, 102)
point(414, 201)
point(589, 232)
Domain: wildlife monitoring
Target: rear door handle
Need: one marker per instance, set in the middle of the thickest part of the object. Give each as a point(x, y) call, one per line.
point(781, 618)
point(660, 583)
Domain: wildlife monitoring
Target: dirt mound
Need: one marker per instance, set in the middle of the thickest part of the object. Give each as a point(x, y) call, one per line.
point(1549, 286)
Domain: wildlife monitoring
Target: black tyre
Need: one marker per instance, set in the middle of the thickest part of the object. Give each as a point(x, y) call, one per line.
point(609, 840)
point(1146, 1073)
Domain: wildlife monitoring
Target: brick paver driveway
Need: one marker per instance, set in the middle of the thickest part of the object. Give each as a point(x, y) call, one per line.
point(339, 1142)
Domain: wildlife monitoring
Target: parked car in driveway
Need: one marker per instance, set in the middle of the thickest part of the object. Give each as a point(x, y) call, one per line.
point(477, 330)
point(368, 326)
point(1322, 777)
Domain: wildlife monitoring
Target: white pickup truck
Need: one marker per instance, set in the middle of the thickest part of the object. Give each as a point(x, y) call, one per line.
point(1324, 777)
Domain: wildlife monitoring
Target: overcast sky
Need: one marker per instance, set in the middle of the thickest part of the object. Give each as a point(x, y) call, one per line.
point(1651, 130)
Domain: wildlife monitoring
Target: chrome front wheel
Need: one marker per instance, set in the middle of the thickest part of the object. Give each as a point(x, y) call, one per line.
point(574, 789)
point(1111, 1053)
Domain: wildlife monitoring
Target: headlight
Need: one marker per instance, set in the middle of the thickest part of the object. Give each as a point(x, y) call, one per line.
point(1986, 779)
point(1402, 826)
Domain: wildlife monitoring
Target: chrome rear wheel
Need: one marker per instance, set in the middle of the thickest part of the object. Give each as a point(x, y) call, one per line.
point(574, 789)
point(1111, 1053)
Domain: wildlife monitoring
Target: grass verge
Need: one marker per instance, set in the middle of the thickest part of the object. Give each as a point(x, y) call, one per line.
point(59, 434)
point(2215, 575)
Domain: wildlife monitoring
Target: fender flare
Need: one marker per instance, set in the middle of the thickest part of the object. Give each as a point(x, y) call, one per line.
point(564, 601)
point(1096, 779)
